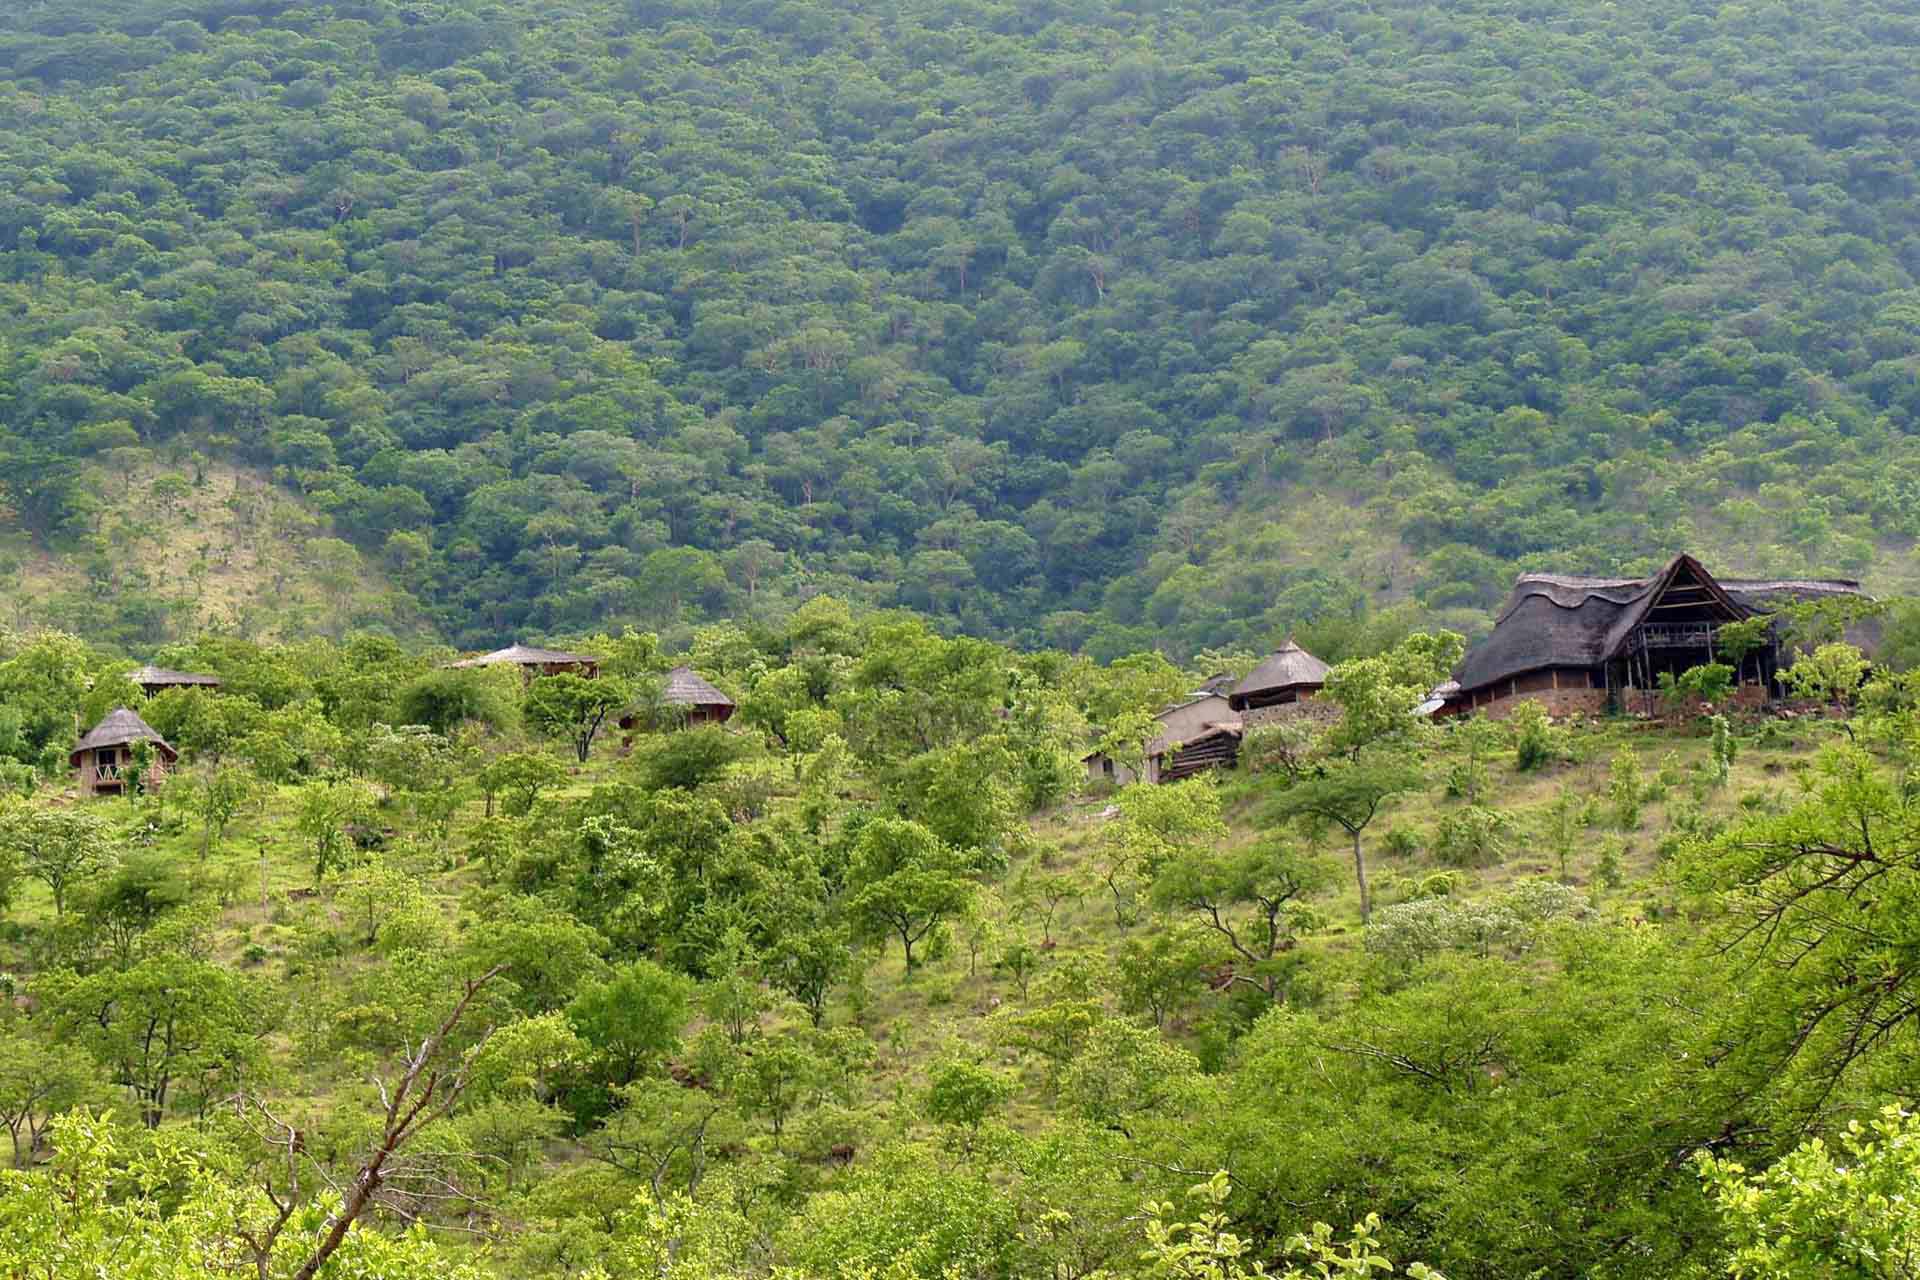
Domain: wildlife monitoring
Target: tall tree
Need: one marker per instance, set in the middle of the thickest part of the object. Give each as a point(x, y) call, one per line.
point(573, 708)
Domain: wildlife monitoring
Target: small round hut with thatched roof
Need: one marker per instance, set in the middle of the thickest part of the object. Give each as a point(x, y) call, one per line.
point(703, 703)
point(1288, 678)
point(686, 701)
point(104, 759)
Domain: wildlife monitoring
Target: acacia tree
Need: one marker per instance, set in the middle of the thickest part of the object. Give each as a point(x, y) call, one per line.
point(1818, 903)
point(664, 1132)
point(429, 1083)
point(905, 880)
point(1349, 798)
point(1249, 898)
point(1369, 753)
point(518, 777)
point(328, 810)
point(218, 798)
point(1156, 825)
point(151, 1024)
point(37, 1082)
point(58, 847)
point(573, 708)
point(807, 962)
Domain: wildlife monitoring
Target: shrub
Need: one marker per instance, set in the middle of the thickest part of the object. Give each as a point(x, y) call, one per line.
point(1831, 674)
point(1407, 933)
point(1475, 836)
point(1282, 747)
point(1697, 688)
point(690, 758)
point(1608, 871)
point(1537, 742)
point(444, 699)
point(1720, 754)
point(1626, 788)
point(1399, 842)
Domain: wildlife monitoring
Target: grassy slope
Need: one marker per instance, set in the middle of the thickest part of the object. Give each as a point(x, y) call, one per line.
point(224, 548)
point(262, 875)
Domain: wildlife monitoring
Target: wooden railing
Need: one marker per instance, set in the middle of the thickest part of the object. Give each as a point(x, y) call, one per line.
point(1674, 635)
point(107, 774)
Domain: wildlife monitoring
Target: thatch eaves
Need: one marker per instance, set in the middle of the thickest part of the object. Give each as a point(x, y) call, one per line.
point(1288, 667)
point(152, 677)
point(686, 688)
point(120, 728)
point(1764, 594)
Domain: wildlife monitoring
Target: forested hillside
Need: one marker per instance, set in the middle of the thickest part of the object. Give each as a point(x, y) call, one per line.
point(1079, 323)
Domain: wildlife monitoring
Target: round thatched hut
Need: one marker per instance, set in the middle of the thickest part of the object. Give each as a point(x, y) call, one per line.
point(104, 757)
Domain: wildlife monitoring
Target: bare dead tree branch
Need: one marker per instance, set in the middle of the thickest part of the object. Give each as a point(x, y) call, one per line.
point(424, 1092)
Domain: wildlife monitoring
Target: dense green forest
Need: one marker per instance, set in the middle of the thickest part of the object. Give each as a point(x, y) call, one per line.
point(1088, 324)
point(953, 384)
point(406, 971)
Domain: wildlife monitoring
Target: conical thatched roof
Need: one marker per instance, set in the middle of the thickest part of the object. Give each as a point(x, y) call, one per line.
point(1288, 667)
point(149, 677)
point(685, 688)
point(524, 655)
point(120, 728)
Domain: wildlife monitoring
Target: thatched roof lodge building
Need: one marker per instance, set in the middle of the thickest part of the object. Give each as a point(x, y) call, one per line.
point(1587, 645)
point(103, 758)
point(152, 680)
point(536, 662)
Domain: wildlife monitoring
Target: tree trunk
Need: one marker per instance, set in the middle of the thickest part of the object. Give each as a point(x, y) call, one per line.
point(1360, 877)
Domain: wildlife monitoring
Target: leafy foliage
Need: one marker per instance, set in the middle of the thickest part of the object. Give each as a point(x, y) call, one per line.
point(1033, 322)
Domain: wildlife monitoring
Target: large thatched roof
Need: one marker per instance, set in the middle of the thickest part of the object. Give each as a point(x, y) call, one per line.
point(685, 688)
point(120, 728)
point(1288, 667)
point(1560, 620)
point(525, 655)
point(151, 677)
